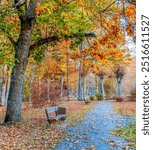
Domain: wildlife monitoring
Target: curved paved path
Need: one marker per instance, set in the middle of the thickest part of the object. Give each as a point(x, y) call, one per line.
point(93, 132)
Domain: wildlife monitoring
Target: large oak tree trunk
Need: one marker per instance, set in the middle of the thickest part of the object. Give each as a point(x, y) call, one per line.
point(13, 113)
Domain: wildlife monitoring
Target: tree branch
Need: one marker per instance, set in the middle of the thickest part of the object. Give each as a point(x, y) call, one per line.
point(9, 37)
point(19, 3)
point(11, 40)
point(132, 2)
point(51, 39)
point(31, 10)
point(109, 6)
point(42, 42)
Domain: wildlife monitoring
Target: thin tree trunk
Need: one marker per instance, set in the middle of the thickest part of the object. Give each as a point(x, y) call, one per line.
point(81, 92)
point(79, 86)
point(82, 87)
point(102, 86)
point(0, 91)
point(48, 91)
point(67, 66)
point(8, 88)
point(99, 86)
point(62, 81)
point(4, 85)
point(96, 86)
point(103, 90)
point(119, 86)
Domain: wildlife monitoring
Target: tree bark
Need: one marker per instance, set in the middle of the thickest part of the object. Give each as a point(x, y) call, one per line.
point(48, 91)
point(13, 113)
point(5, 77)
point(62, 82)
point(81, 93)
point(8, 87)
point(68, 87)
point(119, 86)
point(101, 89)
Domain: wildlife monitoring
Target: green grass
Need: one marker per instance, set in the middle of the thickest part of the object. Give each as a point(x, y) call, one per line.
point(128, 133)
point(122, 112)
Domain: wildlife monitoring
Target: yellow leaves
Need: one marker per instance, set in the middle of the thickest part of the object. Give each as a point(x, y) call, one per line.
point(46, 8)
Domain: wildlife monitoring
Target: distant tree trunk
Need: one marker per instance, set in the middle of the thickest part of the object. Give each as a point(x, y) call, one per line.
point(101, 85)
point(8, 88)
point(4, 89)
point(87, 91)
point(13, 113)
point(68, 87)
point(62, 82)
point(119, 86)
point(96, 86)
point(48, 91)
point(4, 85)
point(81, 92)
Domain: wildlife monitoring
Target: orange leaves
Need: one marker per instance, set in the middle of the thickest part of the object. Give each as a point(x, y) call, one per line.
point(122, 1)
point(131, 13)
point(74, 55)
point(41, 9)
point(129, 30)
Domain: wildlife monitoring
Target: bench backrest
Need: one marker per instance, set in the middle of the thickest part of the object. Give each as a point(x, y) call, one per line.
point(51, 110)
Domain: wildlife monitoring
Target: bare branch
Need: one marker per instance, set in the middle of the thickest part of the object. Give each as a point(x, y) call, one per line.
point(55, 39)
point(109, 6)
point(42, 42)
point(132, 2)
point(9, 37)
point(11, 40)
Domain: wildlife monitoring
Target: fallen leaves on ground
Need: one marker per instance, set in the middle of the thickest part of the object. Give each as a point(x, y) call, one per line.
point(125, 108)
point(34, 132)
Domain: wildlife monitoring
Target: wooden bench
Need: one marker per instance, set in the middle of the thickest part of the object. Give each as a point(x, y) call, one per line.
point(58, 112)
point(87, 101)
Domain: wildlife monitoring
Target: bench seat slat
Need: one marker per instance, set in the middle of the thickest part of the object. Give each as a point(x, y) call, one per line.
point(57, 117)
